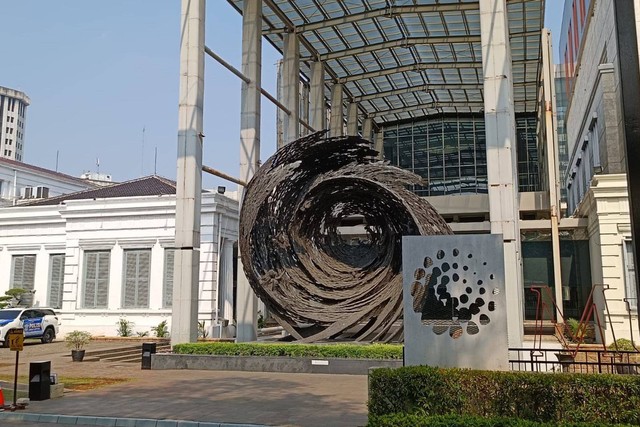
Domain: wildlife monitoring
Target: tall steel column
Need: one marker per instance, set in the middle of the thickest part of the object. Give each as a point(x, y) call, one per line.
point(336, 122)
point(552, 157)
point(184, 317)
point(249, 148)
point(352, 118)
point(291, 86)
point(501, 154)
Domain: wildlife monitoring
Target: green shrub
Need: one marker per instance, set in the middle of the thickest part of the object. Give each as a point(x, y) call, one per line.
point(413, 420)
point(202, 330)
point(542, 397)
point(124, 327)
point(350, 351)
point(623, 344)
point(162, 330)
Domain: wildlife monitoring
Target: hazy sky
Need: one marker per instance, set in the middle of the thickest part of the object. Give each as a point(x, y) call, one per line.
point(98, 72)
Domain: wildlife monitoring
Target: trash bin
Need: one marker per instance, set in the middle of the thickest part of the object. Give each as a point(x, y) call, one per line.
point(148, 348)
point(39, 380)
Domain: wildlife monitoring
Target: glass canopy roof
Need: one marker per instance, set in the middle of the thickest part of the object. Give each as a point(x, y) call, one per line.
point(407, 58)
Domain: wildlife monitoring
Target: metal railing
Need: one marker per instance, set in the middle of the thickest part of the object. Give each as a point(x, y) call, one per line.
point(581, 361)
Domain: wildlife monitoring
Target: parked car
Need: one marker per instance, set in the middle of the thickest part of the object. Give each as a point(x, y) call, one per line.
point(37, 323)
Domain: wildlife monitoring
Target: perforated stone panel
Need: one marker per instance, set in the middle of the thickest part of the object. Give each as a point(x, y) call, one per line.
point(454, 301)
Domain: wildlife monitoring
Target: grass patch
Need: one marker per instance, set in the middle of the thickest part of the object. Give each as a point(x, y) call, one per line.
point(348, 351)
point(71, 383)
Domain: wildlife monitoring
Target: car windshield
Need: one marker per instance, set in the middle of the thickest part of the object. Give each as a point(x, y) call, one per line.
point(9, 314)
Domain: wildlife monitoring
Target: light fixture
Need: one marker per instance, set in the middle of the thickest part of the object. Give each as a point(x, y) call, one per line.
point(221, 189)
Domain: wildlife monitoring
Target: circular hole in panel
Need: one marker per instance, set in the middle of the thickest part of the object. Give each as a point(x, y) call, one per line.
point(440, 254)
point(419, 274)
point(428, 262)
point(472, 328)
point(455, 331)
point(456, 252)
point(484, 319)
point(492, 306)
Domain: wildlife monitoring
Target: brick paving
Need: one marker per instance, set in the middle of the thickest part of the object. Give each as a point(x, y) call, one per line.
point(207, 396)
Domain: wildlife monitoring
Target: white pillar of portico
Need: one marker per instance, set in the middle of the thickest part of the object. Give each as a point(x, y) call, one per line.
point(501, 154)
point(249, 149)
point(291, 86)
point(336, 125)
point(184, 317)
point(352, 118)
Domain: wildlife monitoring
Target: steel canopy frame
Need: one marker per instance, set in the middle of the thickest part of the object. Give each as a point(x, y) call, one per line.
point(373, 48)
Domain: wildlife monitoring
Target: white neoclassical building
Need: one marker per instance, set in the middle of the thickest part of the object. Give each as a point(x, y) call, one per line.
point(104, 254)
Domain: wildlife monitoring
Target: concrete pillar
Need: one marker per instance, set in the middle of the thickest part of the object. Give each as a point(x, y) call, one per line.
point(552, 158)
point(184, 317)
point(367, 127)
point(318, 107)
point(501, 154)
point(291, 87)
point(378, 144)
point(249, 148)
point(336, 121)
point(352, 118)
point(227, 279)
point(280, 115)
point(304, 107)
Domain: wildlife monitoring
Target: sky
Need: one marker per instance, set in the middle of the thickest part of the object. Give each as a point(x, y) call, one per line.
point(103, 80)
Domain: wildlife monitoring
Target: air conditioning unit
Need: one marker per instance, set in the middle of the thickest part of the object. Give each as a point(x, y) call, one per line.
point(28, 193)
point(42, 192)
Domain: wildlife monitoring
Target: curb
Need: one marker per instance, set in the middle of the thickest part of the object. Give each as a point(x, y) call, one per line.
point(113, 422)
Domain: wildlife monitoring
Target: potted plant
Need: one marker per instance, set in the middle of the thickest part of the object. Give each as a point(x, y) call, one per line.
point(76, 340)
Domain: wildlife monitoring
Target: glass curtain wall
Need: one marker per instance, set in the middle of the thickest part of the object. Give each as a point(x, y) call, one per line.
point(450, 153)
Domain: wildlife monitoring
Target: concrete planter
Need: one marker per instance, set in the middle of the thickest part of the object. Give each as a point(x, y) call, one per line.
point(270, 364)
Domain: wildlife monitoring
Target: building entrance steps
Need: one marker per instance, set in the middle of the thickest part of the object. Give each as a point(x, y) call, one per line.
point(124, 353)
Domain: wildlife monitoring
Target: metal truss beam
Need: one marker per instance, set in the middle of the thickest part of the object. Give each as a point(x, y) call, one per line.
point(420, 88)
point(418, 68)
point(387, 12)
point(413, 67)
point(406, 43)
point(428, 106)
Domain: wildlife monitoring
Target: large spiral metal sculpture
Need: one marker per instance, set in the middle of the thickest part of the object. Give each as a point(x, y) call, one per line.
point(317, 281)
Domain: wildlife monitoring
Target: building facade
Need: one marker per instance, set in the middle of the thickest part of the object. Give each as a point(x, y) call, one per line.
point(13, 112)
point(595, 179)
point(22, 183)
point(108, 254)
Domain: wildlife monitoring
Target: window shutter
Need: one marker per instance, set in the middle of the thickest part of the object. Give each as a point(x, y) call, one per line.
point(167, 292)
point(630, 283)
point(16, 274)
point(96, 281)
point(90, 268)
point(102, 285)
point(56, 280)
point(136, 278)
point(144, 260)
point(129, 279)
point(23, 275)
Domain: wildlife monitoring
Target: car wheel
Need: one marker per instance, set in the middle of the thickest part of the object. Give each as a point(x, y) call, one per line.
point(5, 343)
point(48, 336)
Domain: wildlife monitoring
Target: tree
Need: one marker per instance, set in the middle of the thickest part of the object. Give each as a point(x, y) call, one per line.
point(12, 297)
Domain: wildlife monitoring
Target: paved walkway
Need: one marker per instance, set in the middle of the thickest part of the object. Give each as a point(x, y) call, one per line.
point(205, 396)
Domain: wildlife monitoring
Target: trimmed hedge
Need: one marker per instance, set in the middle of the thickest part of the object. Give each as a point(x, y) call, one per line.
point(542, 397)
point(348, 351)
point(412, 420)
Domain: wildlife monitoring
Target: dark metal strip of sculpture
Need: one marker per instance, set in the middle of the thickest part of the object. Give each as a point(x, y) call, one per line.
point(316, 283)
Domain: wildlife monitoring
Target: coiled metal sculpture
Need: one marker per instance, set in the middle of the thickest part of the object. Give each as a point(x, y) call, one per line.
point(316, 281)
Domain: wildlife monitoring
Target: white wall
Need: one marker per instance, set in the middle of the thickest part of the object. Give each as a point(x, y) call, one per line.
point(114, 224)
point(607, 206)
point(14, 178)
